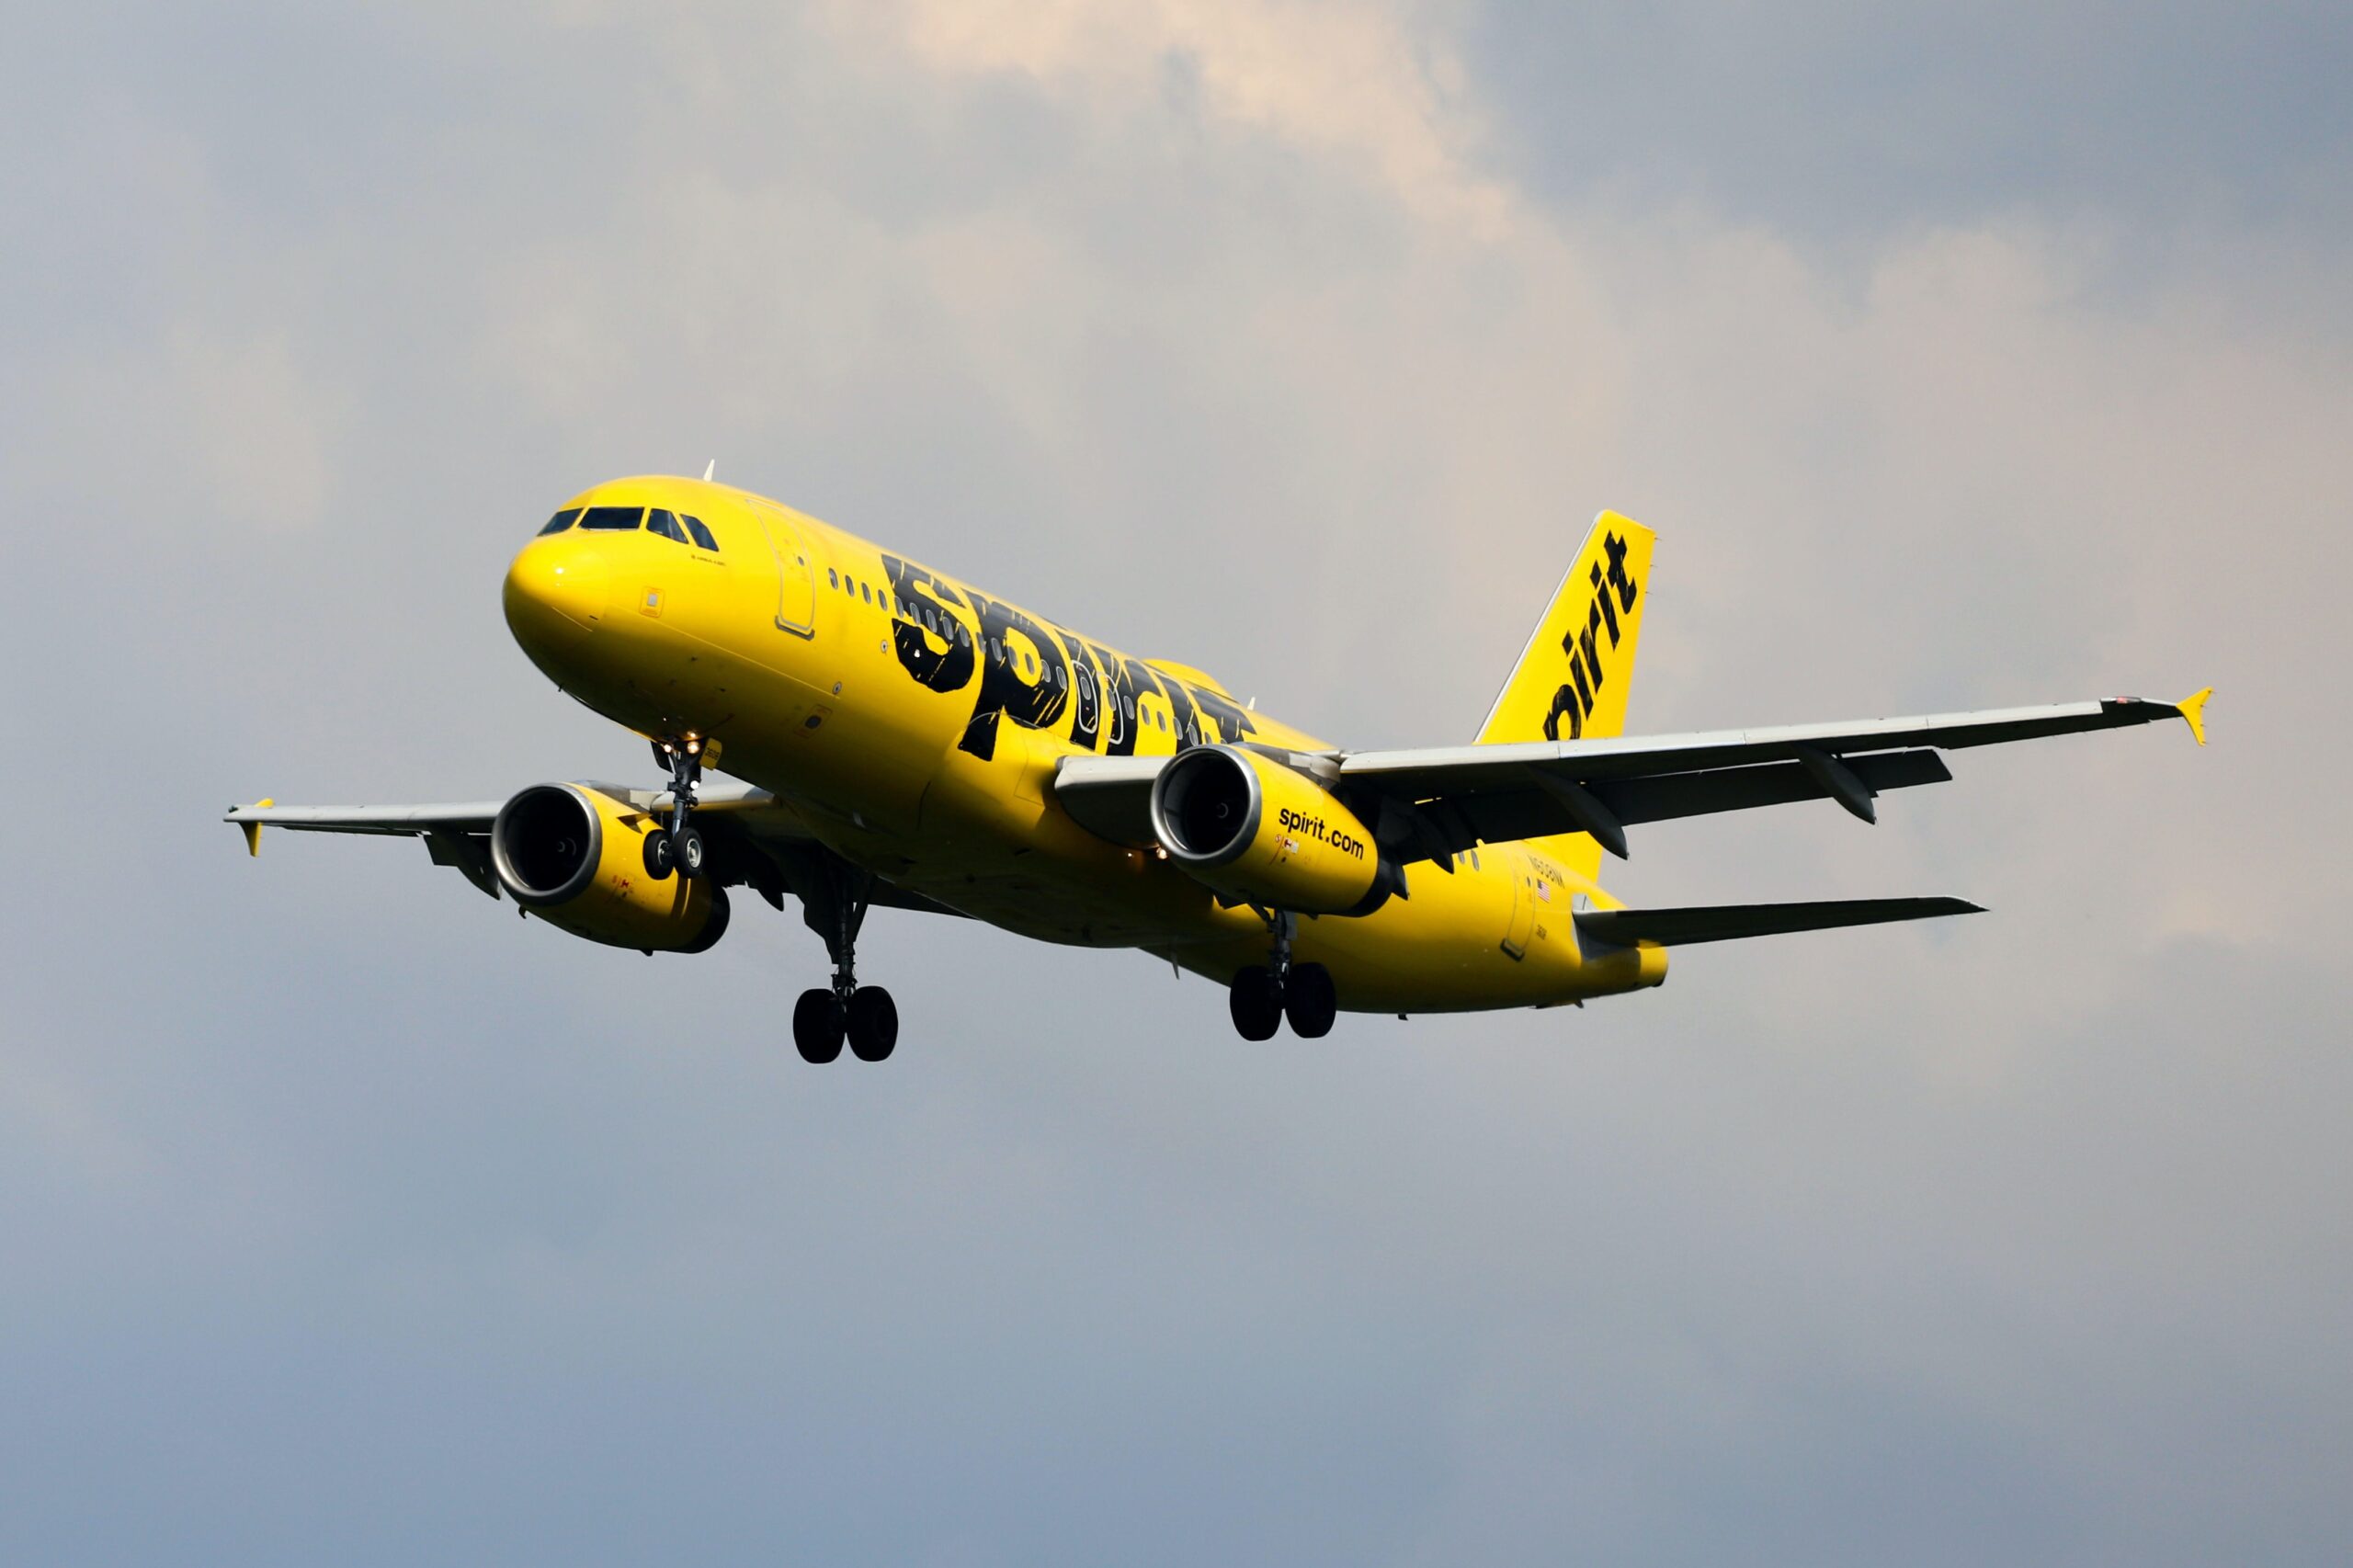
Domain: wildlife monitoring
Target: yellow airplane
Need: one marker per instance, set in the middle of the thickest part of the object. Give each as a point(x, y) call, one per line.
point(906, 740)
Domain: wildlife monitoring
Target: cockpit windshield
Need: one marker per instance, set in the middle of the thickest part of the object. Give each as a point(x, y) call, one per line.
point(615, 518)
point(670, 524)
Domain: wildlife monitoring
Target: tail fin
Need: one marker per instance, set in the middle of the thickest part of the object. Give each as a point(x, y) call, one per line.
point(1571, 680)
point(1572, 677)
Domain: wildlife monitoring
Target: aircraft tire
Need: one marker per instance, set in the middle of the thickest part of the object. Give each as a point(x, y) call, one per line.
point(818, 1022)
point(1309, 1001)
point(659, 860)
point(873, 1024)
point(1256, 1003)
point(686, 849)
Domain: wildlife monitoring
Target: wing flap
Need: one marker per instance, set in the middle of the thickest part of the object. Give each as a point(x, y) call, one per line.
point(1109, 795)
point(1732, 922)
point(1503, 815)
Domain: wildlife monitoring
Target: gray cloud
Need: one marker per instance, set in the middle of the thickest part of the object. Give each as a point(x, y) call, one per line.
point(346, 1207)
point(1844, 121)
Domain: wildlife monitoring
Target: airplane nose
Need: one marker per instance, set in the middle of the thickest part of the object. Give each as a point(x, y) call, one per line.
point(556, 592)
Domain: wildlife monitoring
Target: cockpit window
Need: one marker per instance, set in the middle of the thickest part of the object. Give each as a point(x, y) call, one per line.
point(666, 524)
point(560, 521)
point(702, 534)
point(616, 518)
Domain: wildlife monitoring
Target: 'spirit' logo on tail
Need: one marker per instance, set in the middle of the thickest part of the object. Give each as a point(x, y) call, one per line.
point(1583, 644)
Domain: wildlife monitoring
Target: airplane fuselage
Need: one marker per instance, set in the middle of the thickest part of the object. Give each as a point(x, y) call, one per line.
point(914, 724)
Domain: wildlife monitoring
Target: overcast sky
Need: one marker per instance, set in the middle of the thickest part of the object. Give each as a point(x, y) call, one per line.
point(1997, 356)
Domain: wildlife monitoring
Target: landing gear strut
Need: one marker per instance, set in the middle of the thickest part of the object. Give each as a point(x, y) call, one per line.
point(835, 907)
point(1263, 995)
point(677, 847)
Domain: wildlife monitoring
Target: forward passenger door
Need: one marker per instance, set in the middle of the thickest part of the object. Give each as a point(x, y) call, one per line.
point(796, 602)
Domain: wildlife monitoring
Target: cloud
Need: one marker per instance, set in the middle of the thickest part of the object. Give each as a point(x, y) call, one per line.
point(1242, 334)
point(1371, 87)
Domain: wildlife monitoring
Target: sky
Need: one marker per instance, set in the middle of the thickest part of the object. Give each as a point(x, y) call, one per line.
point(1962, 357)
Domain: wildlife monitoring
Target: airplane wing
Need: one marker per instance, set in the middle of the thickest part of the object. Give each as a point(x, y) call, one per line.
point(1431, 803)
point(1446, 800)
point(471, 816)
point(458, 835)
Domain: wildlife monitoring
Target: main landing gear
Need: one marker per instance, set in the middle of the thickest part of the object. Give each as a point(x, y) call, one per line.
point(679, 847)
point(863, 1014)
point(1263, 995)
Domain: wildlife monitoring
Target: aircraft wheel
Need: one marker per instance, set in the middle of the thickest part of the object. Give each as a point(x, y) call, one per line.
point(685, 849)
point(659, 860)
point(1309, 1001)
point(1256, 1003)
point(818, 1019)
point(873, 1023)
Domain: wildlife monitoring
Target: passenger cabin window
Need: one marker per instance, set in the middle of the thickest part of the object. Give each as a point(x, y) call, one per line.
point(702, 534)
point(865, 592)
point(666, 524)
point(560, 522)
point(615, 518)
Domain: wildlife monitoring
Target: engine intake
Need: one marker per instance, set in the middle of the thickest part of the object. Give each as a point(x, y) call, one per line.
point(1257, 832)
point(575, 857)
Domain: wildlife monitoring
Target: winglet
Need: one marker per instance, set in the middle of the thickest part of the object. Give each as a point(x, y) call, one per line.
point(253, 829)
point(2194, 709)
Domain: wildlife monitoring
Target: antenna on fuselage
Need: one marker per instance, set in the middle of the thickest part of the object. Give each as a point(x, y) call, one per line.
point(708, 469)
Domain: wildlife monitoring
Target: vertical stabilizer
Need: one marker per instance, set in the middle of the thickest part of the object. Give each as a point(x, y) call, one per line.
point(1571, 680)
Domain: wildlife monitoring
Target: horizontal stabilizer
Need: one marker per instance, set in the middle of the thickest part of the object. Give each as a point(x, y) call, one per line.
point(1726, 922)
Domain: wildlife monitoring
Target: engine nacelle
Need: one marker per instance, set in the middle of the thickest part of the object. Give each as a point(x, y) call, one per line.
point(575, 857)
point(1257, 832)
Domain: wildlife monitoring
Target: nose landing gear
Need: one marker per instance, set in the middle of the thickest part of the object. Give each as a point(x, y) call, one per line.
point(1263, 996)
point(679, 847)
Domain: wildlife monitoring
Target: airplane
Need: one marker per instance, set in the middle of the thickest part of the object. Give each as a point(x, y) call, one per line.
point(898, 738)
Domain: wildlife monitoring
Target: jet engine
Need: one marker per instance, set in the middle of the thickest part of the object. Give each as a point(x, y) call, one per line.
point(1257, 832)
point(575, 857)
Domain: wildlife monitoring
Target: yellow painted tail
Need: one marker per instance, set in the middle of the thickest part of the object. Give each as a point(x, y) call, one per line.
point(1572, 678)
